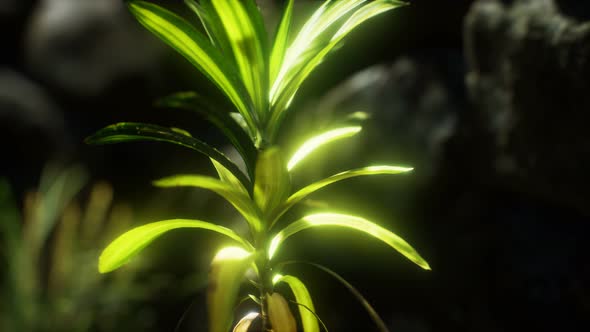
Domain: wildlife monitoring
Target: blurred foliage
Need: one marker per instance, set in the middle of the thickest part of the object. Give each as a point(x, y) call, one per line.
point(49, 250)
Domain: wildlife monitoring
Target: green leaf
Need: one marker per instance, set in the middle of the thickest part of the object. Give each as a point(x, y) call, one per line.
point(245, 322)
point(195, 47)
point(356, 223)
point(245, 40)
point(132, 131)
point(227, 271)
point(306, 310)
point(219, 116)
point(296, 72)
point(272, 182)
point(279, 313)
point(234, 195)
point(228, 177)
point(126, 246)
point(306, 191)
point(319, 140)
point(279, 46)
point(362, 300)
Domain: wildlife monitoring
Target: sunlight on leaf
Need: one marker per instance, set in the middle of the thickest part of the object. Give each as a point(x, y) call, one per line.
point(195, 47)
point(240, 200)
point(126, 246)
point(244, 323)
point(280, 42)
point(315, 142)
point(227, 271)
point(306, 191)
point(272, 183)
point(307, 310)
point(356, 223)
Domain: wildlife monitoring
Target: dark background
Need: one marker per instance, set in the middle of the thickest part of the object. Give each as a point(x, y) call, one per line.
point(495, 125)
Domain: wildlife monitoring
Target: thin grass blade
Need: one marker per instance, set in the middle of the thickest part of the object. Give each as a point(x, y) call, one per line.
point(128, 245)
point(309, 319)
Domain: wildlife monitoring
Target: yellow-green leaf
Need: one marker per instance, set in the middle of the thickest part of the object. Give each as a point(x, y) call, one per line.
point(195, 47)
point(279, 46)
point(304, 192)
point(244, 323)
point(279, 314)
point(126, 246)
point(319, 140)
point(234, 194)
point(307, 310)
point(228, 269)
point(246, 45)
point(272, 182)
point(356, 223)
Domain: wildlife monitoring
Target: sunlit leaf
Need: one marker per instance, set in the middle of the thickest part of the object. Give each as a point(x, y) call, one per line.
point(306, 310)
point(362, 300)
point(126, 246)
point(132, 131)
point(306, 191)
point(232, 194)
point(279, 313)
point(195, 47)
point(228, 177)
point(244, 323)
point(279, 46)
point(317, 141)
point(238, 19)
point(219, 116)
point(272, 181)
point(346, 221)
point(284, 90)
point(226, 274)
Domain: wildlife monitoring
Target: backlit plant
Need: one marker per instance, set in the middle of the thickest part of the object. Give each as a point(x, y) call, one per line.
point(260, 78)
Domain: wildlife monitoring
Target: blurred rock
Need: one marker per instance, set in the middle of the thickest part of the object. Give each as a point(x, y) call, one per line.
point(529, 81)
point(82, 46)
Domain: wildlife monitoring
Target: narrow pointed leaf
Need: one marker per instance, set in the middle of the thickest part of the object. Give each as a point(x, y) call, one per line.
point(309, 321)
point(126, 246)
point(346, 221)
point(195, 47)
point(227, 272)
point(362, 300)
point(279, 46)
point(306, 191)
point(272, 182)
point(233, 195)
point(225, 175)
point(218, 116)
point(246, 44)
point(244, 323)
point(132, 131)
point(279, 314)
point(317, 141)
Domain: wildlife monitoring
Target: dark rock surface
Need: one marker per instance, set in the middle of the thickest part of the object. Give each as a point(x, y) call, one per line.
point(529, 82)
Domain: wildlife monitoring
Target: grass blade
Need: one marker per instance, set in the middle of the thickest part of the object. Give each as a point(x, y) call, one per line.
point(133, 131)
point(309, 319)
point(362, 300)
point(346, 221)
point(234, 196)
point(126, 246)
point(227, 271)
point(190, 43)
